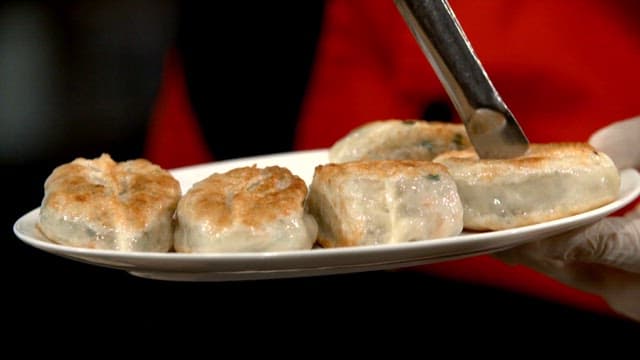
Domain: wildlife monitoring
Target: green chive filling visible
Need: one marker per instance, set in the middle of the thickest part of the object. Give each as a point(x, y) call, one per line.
point(458, 140)
point(427, 144)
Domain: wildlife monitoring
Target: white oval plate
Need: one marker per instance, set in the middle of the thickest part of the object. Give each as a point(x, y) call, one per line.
point(244, 266)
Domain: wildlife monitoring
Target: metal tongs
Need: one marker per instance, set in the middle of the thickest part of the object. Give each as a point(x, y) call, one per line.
point(492, 128)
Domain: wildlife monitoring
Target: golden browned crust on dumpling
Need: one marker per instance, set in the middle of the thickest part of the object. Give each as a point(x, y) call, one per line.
point(102, 204)
point(538, 157)
point(550, 181)
point(245, 209)
point(399, 140)
point(379, 168)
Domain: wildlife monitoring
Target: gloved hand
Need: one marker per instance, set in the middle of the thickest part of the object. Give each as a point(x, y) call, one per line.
point(602, 258)
point(620, 141)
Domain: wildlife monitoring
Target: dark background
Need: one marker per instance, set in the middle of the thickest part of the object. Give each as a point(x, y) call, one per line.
point(78, 78)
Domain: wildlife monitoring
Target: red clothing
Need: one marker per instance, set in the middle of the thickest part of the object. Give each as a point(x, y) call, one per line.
point(565, 69)
point(174, 138)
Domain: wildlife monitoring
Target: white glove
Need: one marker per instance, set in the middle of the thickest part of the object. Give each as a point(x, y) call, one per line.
point(602, 258)
point(620, 141)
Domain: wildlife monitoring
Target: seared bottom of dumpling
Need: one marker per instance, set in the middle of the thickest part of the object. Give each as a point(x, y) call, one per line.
point(245, 210)
point(101, 204)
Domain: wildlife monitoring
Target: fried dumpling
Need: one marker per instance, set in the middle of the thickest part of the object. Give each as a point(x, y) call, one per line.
point(399, 140)
point(247, 209)
point(101, 204)
point(549, 182)
point(383, 202)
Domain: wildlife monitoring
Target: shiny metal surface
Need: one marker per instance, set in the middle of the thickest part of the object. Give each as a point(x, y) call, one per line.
point(492, 128)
